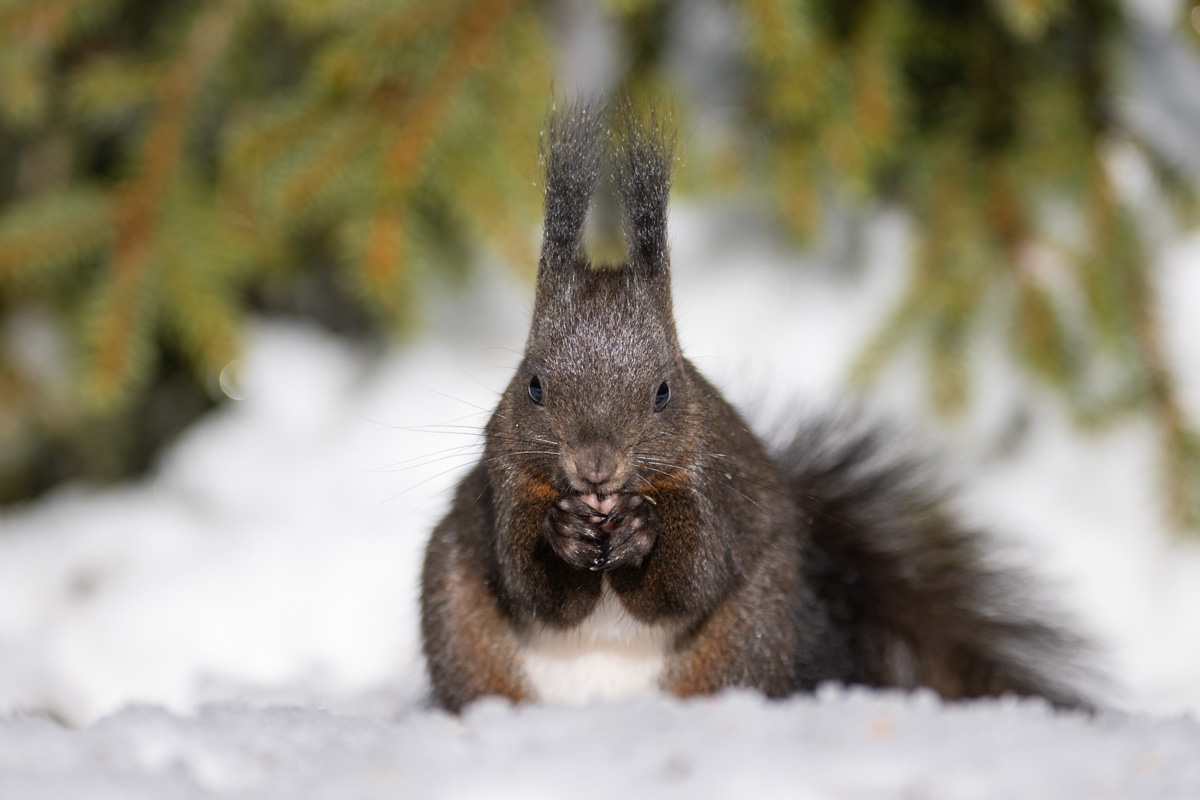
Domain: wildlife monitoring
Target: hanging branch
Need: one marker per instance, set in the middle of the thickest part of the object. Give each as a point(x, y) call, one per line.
point(1146, 330)
point(141, 200)
point(53, 231)
point(472, 38)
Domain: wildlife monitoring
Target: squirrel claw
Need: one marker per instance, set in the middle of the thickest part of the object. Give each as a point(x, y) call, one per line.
point(572, 538)
point(597, 534)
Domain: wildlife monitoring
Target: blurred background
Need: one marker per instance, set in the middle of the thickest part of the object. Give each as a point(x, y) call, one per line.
point(263, 264)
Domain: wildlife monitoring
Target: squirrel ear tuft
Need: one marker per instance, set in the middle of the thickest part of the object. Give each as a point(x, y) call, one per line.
point(642, 175)
point(572, 151)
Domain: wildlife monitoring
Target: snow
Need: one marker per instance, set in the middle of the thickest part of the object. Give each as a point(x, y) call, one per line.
point(243, 622)
point(735, 745)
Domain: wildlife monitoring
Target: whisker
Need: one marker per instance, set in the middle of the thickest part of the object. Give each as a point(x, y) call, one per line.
point(411, 488)
point(480, 383)
point(482, 432)
point(699, 469)
point(405, 466)
point(465, 402)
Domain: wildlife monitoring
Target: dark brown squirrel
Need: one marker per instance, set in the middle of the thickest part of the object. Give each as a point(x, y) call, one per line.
point(625, 530)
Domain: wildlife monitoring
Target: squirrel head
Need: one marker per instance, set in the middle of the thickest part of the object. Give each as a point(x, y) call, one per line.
point(603, 400)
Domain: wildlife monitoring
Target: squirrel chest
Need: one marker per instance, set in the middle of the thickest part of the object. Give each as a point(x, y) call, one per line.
point(607, 655)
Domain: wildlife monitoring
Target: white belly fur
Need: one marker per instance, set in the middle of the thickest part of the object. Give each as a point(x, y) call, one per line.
point(608, 655)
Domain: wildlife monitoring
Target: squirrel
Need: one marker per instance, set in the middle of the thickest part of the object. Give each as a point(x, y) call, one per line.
point(625, 530)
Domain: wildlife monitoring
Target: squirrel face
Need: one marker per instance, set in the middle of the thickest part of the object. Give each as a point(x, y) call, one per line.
point(602, 383)
point(599, 404)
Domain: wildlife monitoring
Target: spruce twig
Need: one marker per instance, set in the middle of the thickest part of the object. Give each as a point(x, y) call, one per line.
point(141, 200)
point(473, 34)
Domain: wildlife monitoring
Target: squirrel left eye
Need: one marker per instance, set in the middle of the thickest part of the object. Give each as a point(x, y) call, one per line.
point(535, 391)
point(662, 396)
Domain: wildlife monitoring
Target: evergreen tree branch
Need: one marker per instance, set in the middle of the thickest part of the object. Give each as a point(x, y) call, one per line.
point(141, 199)
point(56, 230)
point(1174, 432)
point(472, 37)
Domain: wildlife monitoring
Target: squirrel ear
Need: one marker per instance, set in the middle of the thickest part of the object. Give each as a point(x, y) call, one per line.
point(642, 175)
point(572, 148)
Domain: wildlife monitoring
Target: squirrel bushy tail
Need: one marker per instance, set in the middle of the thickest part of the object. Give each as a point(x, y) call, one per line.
point(919, 596)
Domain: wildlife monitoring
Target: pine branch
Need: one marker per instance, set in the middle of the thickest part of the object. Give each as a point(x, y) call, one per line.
point(472, 38)
point(108, 88)
point(202, 312)
point(261, 135)
point(119, 323)
point(22, 72)
point(343, 143)
point(1028, 19)
point(399, 26)
point(40, 237)
point(798, 181)
point(1041, 338)
point(30, 32)
point(1175, 434)
point(776, 30)
point(50, 22)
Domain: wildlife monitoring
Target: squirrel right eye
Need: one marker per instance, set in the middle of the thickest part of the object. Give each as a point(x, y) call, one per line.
point(535, 391)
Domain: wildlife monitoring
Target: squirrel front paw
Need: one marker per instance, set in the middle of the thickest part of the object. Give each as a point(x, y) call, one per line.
point(573, 534)
point(630, 530)
point(592, 533)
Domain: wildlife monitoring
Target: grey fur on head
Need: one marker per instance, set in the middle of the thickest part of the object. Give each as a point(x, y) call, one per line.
point(572, 152)
point(642, 175)
point(576, 143)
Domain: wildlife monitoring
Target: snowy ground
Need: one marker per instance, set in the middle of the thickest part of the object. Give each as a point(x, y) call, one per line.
point(272, 558)
point(840, 745)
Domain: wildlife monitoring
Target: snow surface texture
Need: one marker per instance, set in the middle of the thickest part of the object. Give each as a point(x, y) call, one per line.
point(837, 745)
point(273, 558)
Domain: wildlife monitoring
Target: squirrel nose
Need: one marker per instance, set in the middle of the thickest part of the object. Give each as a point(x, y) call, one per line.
point(597, 464)
point(596, 475)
